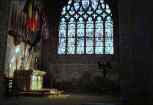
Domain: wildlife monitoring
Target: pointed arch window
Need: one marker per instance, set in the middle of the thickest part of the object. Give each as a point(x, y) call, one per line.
point(86, 27)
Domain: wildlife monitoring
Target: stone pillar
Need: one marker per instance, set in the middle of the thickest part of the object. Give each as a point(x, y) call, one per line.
point(4, 15)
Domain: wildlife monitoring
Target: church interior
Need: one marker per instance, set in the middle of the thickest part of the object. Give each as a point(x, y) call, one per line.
point(76, 52)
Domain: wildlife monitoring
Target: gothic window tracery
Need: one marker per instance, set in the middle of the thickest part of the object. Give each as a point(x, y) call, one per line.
point(86, 27)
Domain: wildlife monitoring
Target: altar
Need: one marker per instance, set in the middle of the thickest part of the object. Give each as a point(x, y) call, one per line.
point(28, 80)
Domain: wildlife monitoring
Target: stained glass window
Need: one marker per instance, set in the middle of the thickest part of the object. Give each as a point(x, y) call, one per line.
point(86, 27)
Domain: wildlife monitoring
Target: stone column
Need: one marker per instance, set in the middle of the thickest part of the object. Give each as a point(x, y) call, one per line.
point(4, 15)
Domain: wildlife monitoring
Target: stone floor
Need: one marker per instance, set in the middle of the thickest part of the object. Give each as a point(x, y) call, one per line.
point(69, 99)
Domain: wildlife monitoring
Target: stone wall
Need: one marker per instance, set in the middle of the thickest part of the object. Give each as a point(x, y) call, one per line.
point(80, 76)
point(135, 22)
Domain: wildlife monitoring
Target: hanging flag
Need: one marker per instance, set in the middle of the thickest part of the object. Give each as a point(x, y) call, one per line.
point(32, 24)
point(28, 8)
point(32, 11)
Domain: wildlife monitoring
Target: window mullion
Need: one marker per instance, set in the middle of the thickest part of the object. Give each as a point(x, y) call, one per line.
point(104, 33)
point(85, 30)
point(104, 37)
point(66, 46)
point(76, 37)
point(94, 36)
